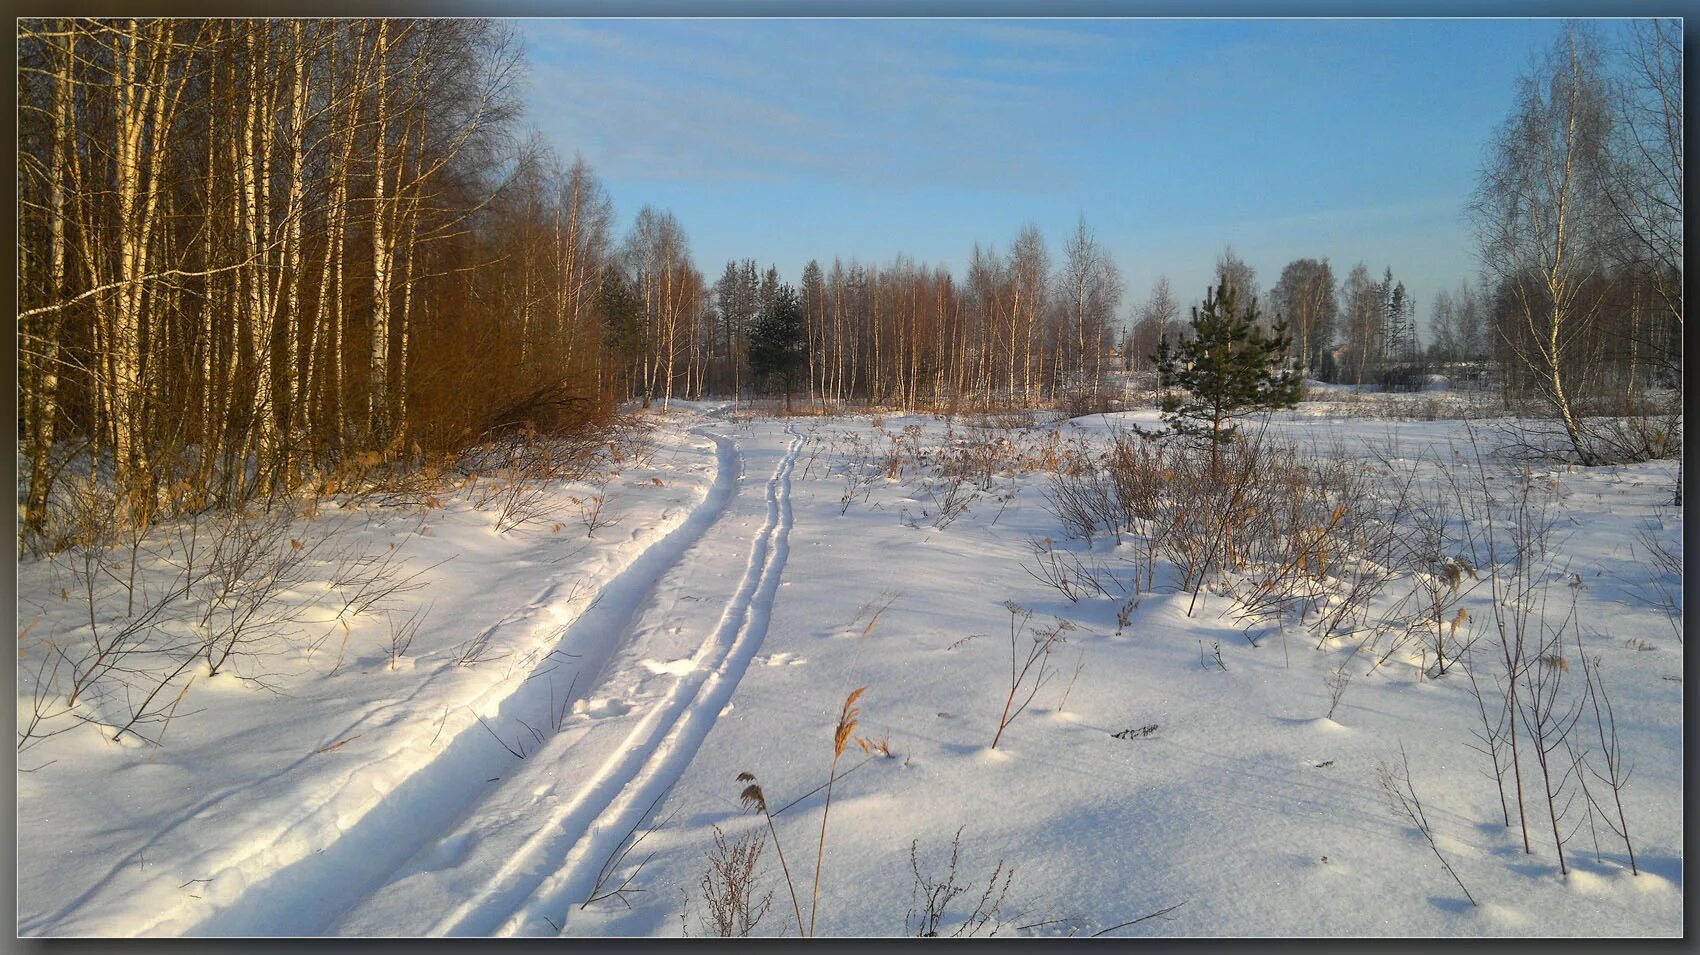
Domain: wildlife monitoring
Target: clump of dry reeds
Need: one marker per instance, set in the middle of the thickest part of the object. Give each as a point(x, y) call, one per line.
point(753, 797)
point(847, 718)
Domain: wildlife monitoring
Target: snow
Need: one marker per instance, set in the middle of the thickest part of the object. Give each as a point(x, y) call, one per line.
point(717, 627)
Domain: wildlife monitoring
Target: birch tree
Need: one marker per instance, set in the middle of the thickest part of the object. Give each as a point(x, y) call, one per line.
point(1537, 210)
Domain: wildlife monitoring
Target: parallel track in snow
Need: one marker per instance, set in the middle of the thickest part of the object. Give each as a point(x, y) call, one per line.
point(552, 871)
point(308, 895)
point(540, 887)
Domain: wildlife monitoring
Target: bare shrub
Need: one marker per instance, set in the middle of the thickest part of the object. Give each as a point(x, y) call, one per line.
point(1662, 563)
point(363, 581)
point(610, 883)
point(1337, 680)
point(590, 513)
point(1029, 664)
point(1288, 535)
point(931, 897)
point(856, 466)
point(729, 886)
point(1530, 641)
point(1142, 479)
point(75, 675)
point(1549, 718)
point(191, 597)
point(958, 494)
point(250, 561)
point(1643, 434)
point(1437, 555)
point(394, 476)
point(630, 438)
point(1085, 503)
point(1615, 775)
point(512, 473)
point(1059, 570)
point(401, 635)
point(1617, 431)
point(1492, 736)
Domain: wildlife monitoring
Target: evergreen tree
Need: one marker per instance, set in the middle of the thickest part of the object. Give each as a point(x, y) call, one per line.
point(776, 341)
point(622, 321)
point(769, 288)
point(1230, 368)
point(726, 310)
point(1394, 311)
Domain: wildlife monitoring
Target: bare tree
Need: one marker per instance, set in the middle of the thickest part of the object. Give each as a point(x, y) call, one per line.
point(1456, 324)
point(1537, 210)
point(1644, 170)
point(1091, 291)
point(1232, 271)
point(1361, 297)
point(1156, 325)
point(1304, 296)
point(259, 237)
point(1029, 275)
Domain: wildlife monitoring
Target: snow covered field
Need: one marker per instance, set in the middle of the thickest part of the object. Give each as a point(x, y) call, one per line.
point(568, 695)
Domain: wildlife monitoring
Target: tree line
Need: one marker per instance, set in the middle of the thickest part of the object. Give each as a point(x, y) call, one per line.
point(1578, 222)
point(252, 251)
point(1016, 329)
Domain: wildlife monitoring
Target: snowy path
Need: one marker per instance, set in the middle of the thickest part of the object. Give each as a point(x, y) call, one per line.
point(371, 802)
point(445, 801)
point(556, 869)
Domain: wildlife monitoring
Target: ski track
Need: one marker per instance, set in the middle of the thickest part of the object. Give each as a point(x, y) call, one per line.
point(306, 896)
point(555, 871)
point(557, 866)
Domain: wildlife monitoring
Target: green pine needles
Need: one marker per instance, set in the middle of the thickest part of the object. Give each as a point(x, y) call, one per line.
point(777, 341)
point(1230, 369)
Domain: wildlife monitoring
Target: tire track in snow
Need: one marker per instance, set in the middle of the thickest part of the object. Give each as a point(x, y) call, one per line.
point(554, 871)
point(307, 895)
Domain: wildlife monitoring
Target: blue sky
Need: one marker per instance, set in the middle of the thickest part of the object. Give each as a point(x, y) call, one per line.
point(785, 140)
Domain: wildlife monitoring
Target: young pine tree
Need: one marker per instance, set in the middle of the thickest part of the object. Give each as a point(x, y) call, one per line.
point(1230, 369)
point(622, 328)
point(776, 340)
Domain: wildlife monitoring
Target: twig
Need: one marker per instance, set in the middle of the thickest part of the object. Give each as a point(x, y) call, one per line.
point(1402, 797)
point(1157, 914)
point(864, 762)
point(336, 745)
point(518, 754)
point(622, 849)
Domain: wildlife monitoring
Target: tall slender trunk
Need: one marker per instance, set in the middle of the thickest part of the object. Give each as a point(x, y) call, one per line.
point(253, 170)
point(294, 321)
point(377, 401)
point(44, 392)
